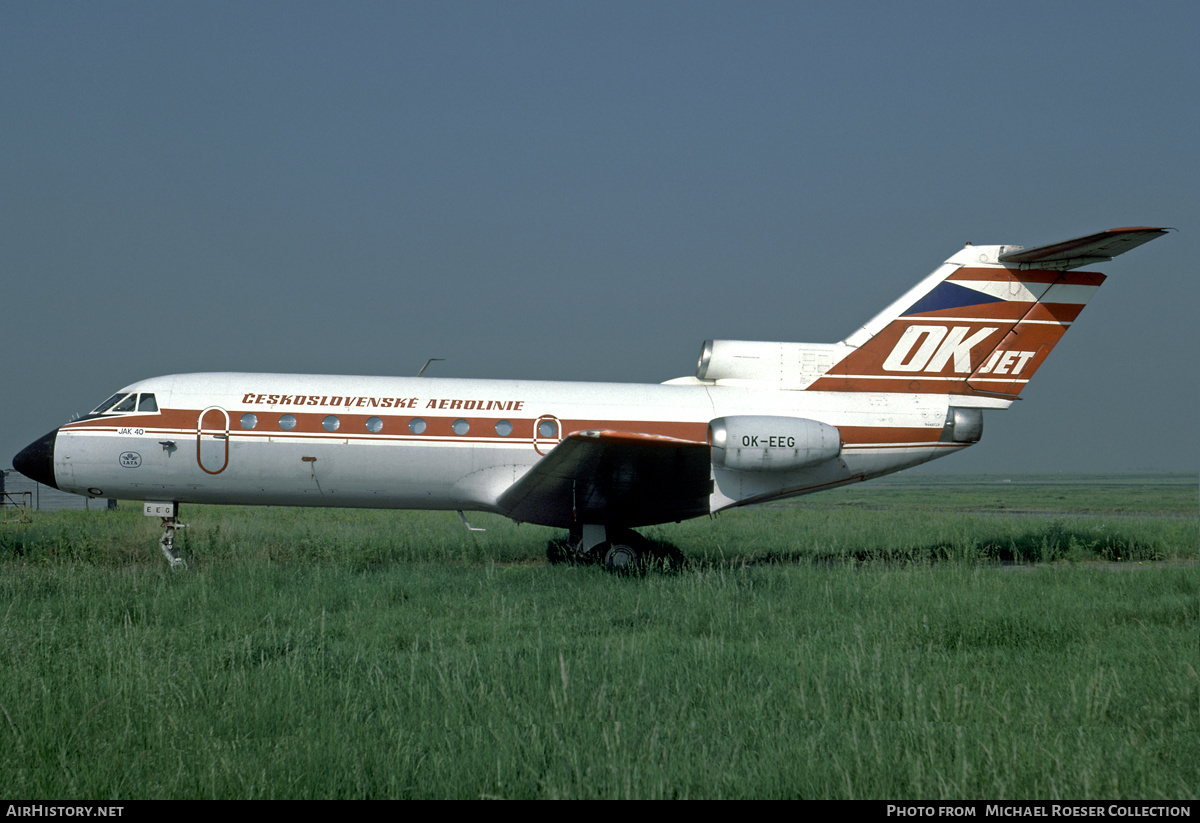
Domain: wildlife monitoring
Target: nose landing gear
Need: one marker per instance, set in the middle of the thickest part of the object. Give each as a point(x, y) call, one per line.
point(167, 542)
point(169, 513)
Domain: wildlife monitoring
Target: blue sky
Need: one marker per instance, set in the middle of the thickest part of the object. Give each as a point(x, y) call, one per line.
point(587, 191)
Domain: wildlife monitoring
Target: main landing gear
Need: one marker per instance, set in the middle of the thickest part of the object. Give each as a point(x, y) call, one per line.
point(619, 550)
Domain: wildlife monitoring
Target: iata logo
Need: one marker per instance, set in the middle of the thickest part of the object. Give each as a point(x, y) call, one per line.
point(930, 348)
point(130, 460)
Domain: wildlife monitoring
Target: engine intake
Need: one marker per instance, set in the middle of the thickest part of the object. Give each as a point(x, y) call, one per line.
point(786, 365)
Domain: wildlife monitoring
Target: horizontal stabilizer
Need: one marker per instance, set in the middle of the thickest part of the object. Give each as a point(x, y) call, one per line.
point(1082, 251)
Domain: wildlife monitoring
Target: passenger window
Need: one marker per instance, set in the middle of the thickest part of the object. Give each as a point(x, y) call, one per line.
point(249, 420)
point(504, 428)
point(461, 426)
point(287, 422)
point(330, 423)
point(147, 403)
point(374, 425)
point(416, 425)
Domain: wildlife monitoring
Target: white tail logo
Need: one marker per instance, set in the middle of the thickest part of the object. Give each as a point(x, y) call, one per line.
point(935, 346)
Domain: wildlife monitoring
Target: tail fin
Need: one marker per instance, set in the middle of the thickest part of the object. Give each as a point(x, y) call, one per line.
point(983, 323)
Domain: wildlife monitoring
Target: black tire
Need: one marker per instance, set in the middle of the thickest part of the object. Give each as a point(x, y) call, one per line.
point(622, 558)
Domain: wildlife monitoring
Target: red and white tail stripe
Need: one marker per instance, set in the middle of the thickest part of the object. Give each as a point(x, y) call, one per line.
point(982, 324)
point(982, 330)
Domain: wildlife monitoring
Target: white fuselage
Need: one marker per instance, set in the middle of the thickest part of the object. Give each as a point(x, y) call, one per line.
point(435, 443)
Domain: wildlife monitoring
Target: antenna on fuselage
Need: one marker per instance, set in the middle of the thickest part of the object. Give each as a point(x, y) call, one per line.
point(427, 362)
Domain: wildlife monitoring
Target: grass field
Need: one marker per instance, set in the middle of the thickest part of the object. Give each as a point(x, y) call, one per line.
point(944, 637)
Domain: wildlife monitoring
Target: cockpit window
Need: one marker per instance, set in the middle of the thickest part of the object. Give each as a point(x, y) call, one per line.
point(122, 402)
point(109, 403)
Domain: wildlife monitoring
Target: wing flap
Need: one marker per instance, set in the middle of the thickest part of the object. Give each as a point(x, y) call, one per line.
point(613, 477)
point(1083, 251)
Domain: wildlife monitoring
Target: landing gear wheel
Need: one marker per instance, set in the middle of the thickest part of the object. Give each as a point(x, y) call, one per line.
point(622, 558)
point(167, 542)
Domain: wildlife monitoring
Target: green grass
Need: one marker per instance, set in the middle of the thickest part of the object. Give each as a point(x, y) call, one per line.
point(1142, 494)
point(835, 647)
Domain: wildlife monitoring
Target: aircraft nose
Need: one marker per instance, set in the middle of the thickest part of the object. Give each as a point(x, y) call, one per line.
point(36, 461)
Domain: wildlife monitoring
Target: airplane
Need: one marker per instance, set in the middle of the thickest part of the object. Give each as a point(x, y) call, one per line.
point(759, 421)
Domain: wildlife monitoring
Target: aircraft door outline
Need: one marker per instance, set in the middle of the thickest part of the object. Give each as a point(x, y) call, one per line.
point(547, 431)
point(221, 434)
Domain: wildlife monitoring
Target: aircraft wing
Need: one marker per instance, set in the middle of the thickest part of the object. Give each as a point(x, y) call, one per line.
point(1083, 251)
point(614, 477)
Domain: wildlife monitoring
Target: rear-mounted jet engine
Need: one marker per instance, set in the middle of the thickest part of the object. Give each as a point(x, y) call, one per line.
point(762, 443)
